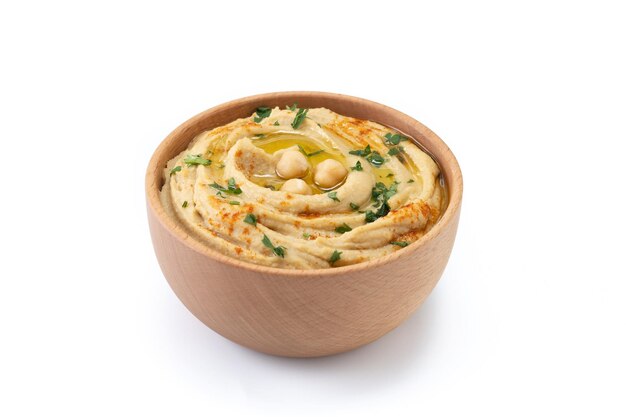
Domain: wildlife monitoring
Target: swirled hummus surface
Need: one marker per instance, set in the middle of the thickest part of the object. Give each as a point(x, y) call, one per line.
point(226, 192)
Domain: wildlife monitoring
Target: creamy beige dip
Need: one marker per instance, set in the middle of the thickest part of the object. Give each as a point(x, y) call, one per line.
point(225, 190)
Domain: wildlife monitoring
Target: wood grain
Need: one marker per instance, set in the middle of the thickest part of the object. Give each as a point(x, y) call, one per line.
point(301, 313)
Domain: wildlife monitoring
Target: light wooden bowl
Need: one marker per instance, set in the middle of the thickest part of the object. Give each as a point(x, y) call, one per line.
point(301, 313)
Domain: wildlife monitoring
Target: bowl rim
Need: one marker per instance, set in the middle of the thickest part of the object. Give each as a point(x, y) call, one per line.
point(153, 173)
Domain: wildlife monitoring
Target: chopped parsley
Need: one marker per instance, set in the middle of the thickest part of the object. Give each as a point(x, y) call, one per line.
point(370, 216)
point(333, 196)
point(381, 195)
point(335, 257)
point(262, 113)
point(271, 187)
point(232, 187)
point(234, 203)
point(196, 160)
point(276, 123)
point(175, 170)
point(380, 191)
point(395, 151)
point(293, 107)
point(357, 167)
point(185, 204)
point(401, 244)
point(343, 228)
point(354, 207)
point(411, 180)
point(259, 135)
point(250, 219)
point(394, 139)
point(309, 154)
point(306, 235)
point(375, 159)
point(218, 187)
point(390, 175)
point(278, 250)
point(362, 152)
point(383, 210)
point(300, 116)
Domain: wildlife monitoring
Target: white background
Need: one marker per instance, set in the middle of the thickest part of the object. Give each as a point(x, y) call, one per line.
point(530, 315)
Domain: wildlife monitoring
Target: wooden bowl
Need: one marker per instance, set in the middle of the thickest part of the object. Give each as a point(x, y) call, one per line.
point(301, 313)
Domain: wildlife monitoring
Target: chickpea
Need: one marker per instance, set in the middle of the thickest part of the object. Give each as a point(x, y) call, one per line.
point(292, 164)
point(329, 173)
point(296, 186)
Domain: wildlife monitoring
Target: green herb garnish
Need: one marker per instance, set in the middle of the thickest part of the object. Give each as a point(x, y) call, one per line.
point(383, 210)
point(334, 257)
point(232, 187)
point(395, 151)
point(370, 216)
point(306, 235)
point(354, 207)
point(394, 139)
point(278, 250)
point(250, 219)
point(234, 203)
point(185, 204)
point(293, 107)
point(401, 244)
point(381, 195)
point(333, 196)
point(357, 167)
point(300, 116)
point(390, 175)
point(362, 152)
point(262, 113)
point(380, 191)
point(411, 180)
point(343, 228)
point(175, 170)
point(309, 154)
point(276, 123)
point(375, 159)
point(196, 160)
point(259, 135)
point(218, 187)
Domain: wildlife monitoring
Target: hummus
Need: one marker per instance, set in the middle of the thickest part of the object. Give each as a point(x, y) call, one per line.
point(225, 190)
